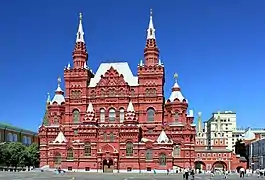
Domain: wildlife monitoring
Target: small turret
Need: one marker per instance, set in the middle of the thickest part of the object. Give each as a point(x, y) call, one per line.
point(130, 117)
point(90, 114)
point(59, 94)
point(176, 92)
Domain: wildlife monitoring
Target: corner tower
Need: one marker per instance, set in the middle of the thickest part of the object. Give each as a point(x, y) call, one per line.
point(77, 79)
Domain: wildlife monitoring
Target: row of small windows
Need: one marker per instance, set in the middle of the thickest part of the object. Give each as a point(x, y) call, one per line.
point(129, 152)
point(112, 115)
point(13, 138)
point(209, 155)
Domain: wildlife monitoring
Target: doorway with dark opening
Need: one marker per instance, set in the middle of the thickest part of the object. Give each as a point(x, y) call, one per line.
point(108, 166)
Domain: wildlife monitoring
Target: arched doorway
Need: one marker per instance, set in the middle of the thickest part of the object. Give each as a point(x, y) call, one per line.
point(219, 166)
point(108, 166)
point(200, 165)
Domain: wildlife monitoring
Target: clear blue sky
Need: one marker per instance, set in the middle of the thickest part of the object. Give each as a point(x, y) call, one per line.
point(216, 47)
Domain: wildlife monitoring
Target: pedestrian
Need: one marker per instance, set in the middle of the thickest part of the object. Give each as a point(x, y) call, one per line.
point(167, 171)
point(242, 172)
point(186, 172)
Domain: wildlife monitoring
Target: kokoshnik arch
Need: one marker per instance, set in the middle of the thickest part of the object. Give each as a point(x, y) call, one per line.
point(114, 121)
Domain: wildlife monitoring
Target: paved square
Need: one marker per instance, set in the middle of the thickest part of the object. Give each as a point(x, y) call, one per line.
point(94, 176)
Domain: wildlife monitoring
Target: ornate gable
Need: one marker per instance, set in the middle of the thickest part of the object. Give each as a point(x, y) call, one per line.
point(112, 78)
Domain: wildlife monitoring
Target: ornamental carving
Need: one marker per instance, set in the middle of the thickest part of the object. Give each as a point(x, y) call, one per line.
point(76, 94)
point(112, 78)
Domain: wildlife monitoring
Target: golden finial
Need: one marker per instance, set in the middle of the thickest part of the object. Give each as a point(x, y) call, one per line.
point(151, 12)
point(80, 16)
point(176, 76)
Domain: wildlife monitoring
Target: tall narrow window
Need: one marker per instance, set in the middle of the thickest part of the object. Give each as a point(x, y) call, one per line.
point(87, 149)
point(24, 141)
point(105, 137)
point(147, 92)
point(121, 115)
point(9, 137)
point(111, 138)
point(129, 149)
point(176, 151)
point(112, 115)
point(70, 154)
point(56, 120)
point(176, 116)
point(102, 115)
point(150, 115)
point(28, 140)
point(57, 159)
point(149, 154)
point(162, 160)
point(14, 137)
point(76, 116)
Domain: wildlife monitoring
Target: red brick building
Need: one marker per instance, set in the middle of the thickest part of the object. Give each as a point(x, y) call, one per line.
point(115, 121)
point(215, 156)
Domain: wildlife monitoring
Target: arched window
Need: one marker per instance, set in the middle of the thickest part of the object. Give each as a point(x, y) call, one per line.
point(57, 159)
point(10, 137)
point(56, 120)
point(111, 138)
point(149, 154)
point(162, 160)
point(76, 116)
point(24, 141)
point(70, 154)
point(102, 115)
point(176, 151)
point(147, 92)
point(87, 149)
point(105, 137)
point(112, 114)
point(176, 116)
point(28, 140)
point(150, 115)
point(14, 137)
point(121, 115)
point(129, 149)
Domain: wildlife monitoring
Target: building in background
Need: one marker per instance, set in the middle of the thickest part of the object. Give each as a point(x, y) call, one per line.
point(9, 133)
point(256, 154)
point(114, 121)
point(227, 125)
point(212, 153)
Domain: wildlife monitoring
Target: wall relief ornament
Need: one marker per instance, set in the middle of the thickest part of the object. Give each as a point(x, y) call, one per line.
point(112, 78)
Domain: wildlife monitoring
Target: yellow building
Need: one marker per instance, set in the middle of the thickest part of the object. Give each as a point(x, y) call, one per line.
point(9, 133)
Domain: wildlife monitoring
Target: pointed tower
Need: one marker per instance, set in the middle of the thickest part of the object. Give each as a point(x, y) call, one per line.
point(130, 117)
point(151, 51)
point(199, 127)
point(45, 120)
point(151, 78)
point(77, 77)
point(80, 54)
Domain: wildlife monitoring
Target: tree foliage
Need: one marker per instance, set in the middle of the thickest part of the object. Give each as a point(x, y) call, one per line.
point(15, 154)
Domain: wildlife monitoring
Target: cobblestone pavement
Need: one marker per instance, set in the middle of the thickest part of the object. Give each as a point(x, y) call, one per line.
point(94, 176)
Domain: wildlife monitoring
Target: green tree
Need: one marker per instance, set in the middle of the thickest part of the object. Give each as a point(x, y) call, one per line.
point(4, 155)
point(32, 152)
point(17, 154)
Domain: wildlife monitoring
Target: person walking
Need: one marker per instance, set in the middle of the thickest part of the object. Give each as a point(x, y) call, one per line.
point(186, 172)
point(242, 172)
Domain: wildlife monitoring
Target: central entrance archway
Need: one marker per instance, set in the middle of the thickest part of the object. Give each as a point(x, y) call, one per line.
point(219, 165)
point(200, 165)
point(108, 166)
